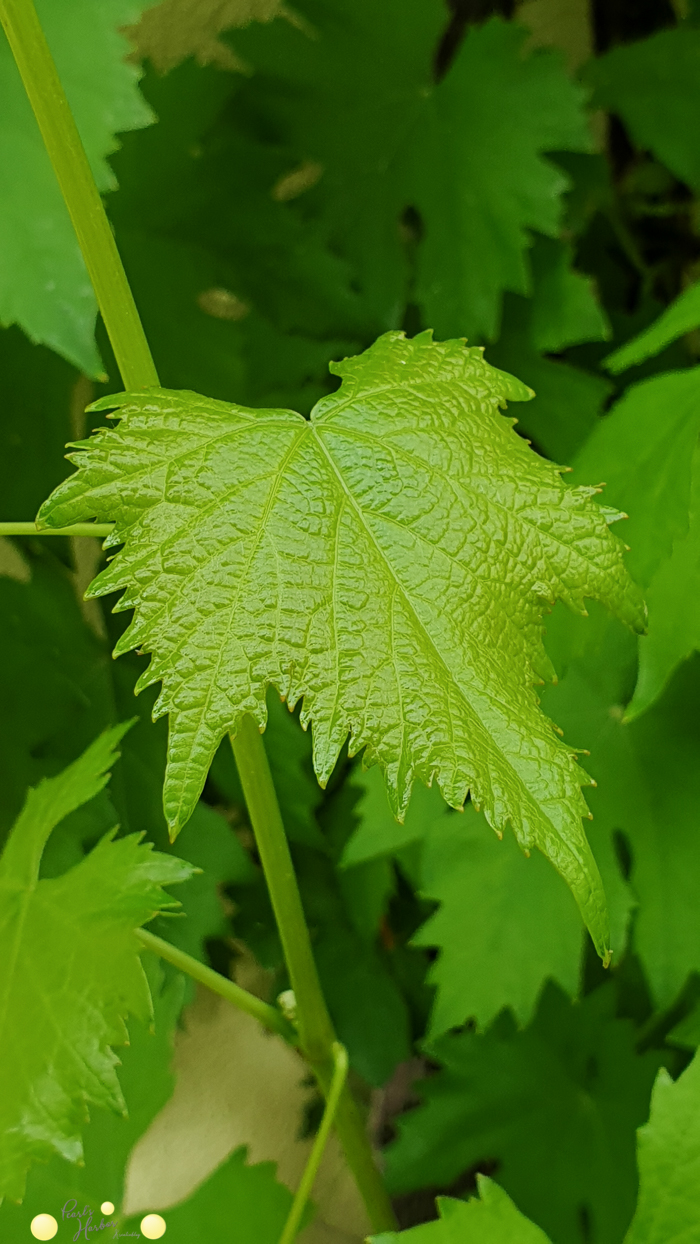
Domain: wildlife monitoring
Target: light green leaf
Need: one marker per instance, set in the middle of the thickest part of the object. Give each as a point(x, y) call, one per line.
point(490, 1219)
point(147, 1082)
point(387, 561)
point(682, 316)
point(654, 85)
point(668, 1209)
point(505, 925)
point(71, 970)
point(44, 286)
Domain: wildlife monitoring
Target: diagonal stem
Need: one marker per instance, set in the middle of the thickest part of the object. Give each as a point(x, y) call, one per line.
point(101, 530)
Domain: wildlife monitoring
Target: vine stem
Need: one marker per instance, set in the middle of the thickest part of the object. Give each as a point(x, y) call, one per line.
point(133, 356)
point(267, 1015)
point(316, 1036)
point(81, 196)
point(296, 1213)
point(100, 530)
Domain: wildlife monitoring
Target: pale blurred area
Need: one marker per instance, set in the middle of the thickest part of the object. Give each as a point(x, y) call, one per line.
point(237, 1084)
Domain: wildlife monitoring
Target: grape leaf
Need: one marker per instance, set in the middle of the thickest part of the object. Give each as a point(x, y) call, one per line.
point(555, 1105)
point(674, 609)
point(357, 95)
point(72, 969)
point(44, 286)
point(378, 832)
point(654, 85)
point(643, 450)
point(565, 310)
point(682, 316)
point(668, 1208)
point(646, 451)
point(648, 787)
point(490, 1219)
point(374, 640)
point(147, 1083)
point(505, 925)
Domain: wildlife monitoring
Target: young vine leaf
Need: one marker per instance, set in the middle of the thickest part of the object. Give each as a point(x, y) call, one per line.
point(71, 968)
point(492, 1218)
point(388, 561)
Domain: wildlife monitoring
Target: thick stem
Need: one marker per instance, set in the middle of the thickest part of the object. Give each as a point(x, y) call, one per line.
point(241, 998)
point(82, 198)
point(317, 1038)
point(100, 530)
point(313, 1021)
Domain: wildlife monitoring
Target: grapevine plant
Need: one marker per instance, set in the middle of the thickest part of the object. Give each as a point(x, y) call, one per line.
point(363, 617)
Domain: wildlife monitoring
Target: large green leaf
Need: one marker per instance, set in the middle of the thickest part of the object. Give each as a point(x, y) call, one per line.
point(388, 561)
point(490, 1219)
point(44, 286)
point(555, 1105)
point(71, 970)
point(668, 1210)
point(354, 91)
point(505, 925)
point(654, 85)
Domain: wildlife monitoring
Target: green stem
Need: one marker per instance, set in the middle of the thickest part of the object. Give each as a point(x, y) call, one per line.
point(100, 530)
point(314, 1023)
point(340, 1071)
point(241, 998)
point(82, 198)
point(317, 1038)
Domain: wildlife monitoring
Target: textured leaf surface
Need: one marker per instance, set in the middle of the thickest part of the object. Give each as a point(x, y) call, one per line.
point(654, 85)
point(505, 925)
point(387, 561)
point(44, 286)
point(668, 1210)
point(492, 1218)
point(555, 1105)
point(71, 970)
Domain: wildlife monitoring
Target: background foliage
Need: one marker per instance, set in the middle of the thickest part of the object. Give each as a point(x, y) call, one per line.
point(287, 183)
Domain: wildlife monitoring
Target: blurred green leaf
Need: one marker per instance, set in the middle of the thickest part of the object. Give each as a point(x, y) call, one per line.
point(72, 972)
point(490, 1219)
point(555, 1105)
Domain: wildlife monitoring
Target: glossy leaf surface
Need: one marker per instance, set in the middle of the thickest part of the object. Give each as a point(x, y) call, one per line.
point(387, 561)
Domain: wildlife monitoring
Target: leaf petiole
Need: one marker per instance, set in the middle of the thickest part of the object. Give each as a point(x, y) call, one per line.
point(267, 1015)
point(303, 1192)
point(99, 530)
